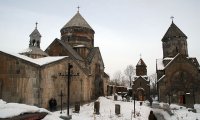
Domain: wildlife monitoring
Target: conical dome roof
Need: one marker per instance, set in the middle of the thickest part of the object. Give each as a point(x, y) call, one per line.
point(173, 31)
point(77, 21)
point(35, 32)
point(141, 63)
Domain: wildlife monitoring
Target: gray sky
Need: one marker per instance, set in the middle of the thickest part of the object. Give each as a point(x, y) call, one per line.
point(124, 29)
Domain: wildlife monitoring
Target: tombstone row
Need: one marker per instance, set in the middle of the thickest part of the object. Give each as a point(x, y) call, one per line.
point(97, 108)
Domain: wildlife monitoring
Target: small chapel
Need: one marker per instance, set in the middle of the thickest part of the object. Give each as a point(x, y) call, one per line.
point(178, 74)
point(34, 76)
point(141, 84)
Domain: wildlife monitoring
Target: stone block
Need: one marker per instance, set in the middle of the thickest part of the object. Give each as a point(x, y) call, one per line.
point(117, 109)
point(96, 107)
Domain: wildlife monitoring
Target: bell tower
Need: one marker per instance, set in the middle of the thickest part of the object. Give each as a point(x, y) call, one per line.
point(174, 42)
point(34, 50)
point(35, 38)
point(141, 68)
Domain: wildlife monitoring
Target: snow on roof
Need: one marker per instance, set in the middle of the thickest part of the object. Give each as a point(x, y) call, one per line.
point(159, 62)
point(47, 60)
point(172, 60)
point(140, 88)
point(143, 76)
point(161, 78)
point(79, 46)
point(168, 58)
point(39, 61)
point(34, 50)
point(160, 65)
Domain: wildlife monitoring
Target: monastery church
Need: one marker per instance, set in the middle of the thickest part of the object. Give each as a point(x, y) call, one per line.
point(141, 83)
point(34, 76)
point(178, 74)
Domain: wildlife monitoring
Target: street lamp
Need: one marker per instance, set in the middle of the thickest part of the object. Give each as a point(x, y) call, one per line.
point(69, 75)
point(134, 102)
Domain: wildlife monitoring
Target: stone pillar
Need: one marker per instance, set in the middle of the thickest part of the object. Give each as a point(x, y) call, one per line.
point(96, 107)
point(117, 109)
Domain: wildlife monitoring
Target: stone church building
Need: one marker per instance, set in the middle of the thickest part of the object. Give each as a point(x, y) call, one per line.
point(178, 74)
point(141, 84)
point(34, 76)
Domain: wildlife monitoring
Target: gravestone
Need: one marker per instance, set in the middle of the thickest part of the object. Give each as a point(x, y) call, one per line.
point(115, 97)
point(77, 108)
point(117, 109)
point(96, 107)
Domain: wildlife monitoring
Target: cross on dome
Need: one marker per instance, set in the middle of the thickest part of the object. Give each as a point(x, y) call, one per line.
point(36, 25)
point(78, 8)
point(172, 17)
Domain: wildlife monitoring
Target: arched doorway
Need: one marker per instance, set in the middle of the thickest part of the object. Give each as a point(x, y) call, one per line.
point(140, 94)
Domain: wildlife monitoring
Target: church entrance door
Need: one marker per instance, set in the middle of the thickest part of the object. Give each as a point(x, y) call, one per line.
point(140, 95)
point(182, 99)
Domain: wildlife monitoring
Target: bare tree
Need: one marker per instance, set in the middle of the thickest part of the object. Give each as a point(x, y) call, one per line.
point(117, 77)
point(153, 82)
point(129, 72)
point(123, 81)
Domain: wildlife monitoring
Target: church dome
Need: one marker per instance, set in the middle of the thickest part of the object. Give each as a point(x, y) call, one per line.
point(78, 32)
point(173, 31)
point(77, 21)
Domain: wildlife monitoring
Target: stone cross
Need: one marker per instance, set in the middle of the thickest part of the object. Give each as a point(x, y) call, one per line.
point(78, 8)
point(61, 96)
point(172, 17)
point(36, 25)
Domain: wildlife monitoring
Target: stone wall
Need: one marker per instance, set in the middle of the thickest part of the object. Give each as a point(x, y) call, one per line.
point(19, 80)
point(140, 85)
point(181, 81)
point(52, 83)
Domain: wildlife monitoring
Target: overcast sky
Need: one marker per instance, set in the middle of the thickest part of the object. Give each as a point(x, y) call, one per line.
point(124, 29)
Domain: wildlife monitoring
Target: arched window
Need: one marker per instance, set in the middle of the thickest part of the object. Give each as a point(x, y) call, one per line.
point(33, 43)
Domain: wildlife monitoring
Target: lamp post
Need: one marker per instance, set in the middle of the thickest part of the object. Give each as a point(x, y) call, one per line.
point(69, 75)
point(134, 102)
point(169, 98)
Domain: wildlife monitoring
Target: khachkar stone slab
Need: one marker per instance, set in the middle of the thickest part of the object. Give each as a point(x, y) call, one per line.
point(117, 109)
point(96, 107)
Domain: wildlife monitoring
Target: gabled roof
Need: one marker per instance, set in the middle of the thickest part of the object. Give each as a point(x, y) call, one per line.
point(35, 32)
point(106, 75)
point(77, 21)
point(173, 31)
point(160, 65)
point(40, 61)
point(141, 63)
point(66, 46)
point(142, 77)
point(92, 53)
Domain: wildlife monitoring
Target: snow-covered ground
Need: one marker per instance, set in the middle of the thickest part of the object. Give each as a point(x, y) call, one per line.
point(107, 111)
